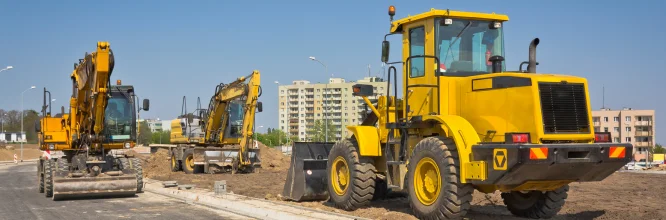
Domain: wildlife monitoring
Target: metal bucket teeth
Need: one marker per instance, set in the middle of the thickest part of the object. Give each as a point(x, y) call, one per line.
point(67, 188)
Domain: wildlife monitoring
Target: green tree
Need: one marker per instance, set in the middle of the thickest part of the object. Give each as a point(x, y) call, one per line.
point(161, 137)
point(145, 135)
point(274, 137)
point(319, 131)
point(658, 149)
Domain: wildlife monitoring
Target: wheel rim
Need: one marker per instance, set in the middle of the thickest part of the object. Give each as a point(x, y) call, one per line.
point(340, 175)
point(427, 182)
point(190, 162)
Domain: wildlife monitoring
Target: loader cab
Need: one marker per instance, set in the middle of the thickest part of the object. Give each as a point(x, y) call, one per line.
point(439, 46)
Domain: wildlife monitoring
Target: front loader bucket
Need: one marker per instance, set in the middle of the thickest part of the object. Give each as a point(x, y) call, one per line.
point(307, 178)
point(77, 187)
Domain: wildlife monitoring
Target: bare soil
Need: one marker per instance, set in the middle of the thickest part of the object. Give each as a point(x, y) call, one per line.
point(30, 151)
point(623, 195)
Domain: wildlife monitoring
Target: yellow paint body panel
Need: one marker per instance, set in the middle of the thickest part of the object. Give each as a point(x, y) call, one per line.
point(367, 138)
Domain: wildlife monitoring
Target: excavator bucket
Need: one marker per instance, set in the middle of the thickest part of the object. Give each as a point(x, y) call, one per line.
point(116, 184)
point(307, 179)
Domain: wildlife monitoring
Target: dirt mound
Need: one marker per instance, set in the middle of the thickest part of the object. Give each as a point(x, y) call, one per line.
point(28, 154)
point(272, 158)
point(259, 184)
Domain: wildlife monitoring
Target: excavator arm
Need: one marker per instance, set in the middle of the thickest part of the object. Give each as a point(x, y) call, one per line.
point(216, 121)
point(91, 82)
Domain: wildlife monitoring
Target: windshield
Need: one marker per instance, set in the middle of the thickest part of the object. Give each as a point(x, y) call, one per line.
point(118, 121)
point(235, 123)
point(467, 54)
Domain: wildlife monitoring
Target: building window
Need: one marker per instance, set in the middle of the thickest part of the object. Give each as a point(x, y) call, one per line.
point(318, 114)
point(595, 119)
point(617, 129)
point(282, 127)
point(281, 91)
point(616, 140)
point(627, 129)
point(282, 115)
point(596, 129)
point(346, 121)
point(317, 90)
point(627, 139)
point(345, 114)
point(282, 121)
point(353, 101)
point(605, 129)
point(616, 119)
point(606, 119)
point(627, 118)
point(302, 133)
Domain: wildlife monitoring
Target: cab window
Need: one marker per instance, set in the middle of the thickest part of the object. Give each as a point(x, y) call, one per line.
point(417, 47)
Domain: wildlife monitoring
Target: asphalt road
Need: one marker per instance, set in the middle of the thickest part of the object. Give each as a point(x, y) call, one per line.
point(19, 199)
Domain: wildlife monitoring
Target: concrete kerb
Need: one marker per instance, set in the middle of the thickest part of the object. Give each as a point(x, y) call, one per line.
point(243, 205)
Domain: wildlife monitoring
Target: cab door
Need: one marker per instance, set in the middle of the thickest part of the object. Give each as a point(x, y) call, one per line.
point(420, 89)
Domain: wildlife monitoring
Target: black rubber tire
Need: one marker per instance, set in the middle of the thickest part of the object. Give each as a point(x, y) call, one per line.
point(187, 169)
point(62, 164)
point(175, 160)
point(137, 165)
point(454, 197)
point(48, 178)
point(124, 163)
point(40, 175)
point(362, 172)
point(536, 204)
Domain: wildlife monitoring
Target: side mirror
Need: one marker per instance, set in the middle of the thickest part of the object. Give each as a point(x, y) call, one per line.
point(362, 90)
point(385, 51)
point(38, 126)
point(260, 107)
point(146, 104)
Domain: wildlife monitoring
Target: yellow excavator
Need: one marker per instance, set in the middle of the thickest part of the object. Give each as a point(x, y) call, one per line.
point(96, 136)
point(463, 123)
point(219, 138)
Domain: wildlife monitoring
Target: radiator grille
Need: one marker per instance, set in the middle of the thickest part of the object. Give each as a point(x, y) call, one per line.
point(564, 108)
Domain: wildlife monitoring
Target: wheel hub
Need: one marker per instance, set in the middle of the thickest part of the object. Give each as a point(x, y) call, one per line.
point(340, 175)
point(427, 182)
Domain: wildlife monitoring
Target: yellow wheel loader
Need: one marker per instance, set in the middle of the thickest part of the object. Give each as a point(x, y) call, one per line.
point(463, 123)
point(95, 136)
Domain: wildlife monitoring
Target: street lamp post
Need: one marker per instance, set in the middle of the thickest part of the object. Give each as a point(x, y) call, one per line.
point(22, 116)
point(7, 68)
point(326, 106)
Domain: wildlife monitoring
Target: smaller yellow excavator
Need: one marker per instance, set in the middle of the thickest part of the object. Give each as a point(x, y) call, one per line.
point(219, 138)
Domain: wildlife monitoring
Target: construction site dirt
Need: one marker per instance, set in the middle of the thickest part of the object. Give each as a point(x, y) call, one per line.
point(623, 195)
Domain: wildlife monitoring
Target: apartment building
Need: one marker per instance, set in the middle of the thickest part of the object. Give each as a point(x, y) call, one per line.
point(302, 102)
point(628, 126)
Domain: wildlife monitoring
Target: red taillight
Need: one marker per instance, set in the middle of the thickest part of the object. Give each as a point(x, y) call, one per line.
point(519, 138)
point(602, 137)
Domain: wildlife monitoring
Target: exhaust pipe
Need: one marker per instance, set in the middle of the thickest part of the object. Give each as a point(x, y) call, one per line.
point(531, 67)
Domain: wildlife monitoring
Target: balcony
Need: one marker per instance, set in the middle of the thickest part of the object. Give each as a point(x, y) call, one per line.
point(643, 144)
point(597, 124)
point(643, 133)
point(293, 120)
point(293, 131)
point(643, 123)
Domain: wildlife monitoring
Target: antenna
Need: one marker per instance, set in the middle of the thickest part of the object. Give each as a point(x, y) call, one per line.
point(369, 74)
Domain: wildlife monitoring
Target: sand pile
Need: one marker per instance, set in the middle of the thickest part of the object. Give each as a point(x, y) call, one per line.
point(28, 153)
point(272, 158)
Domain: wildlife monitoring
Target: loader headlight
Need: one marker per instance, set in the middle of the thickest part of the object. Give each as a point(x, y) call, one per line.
point(51, 146)
point(127, 145)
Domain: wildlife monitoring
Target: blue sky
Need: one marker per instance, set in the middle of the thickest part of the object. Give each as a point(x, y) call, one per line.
point(169, 49)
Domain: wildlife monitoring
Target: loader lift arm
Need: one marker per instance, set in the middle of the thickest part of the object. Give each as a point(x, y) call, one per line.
point(217, 119)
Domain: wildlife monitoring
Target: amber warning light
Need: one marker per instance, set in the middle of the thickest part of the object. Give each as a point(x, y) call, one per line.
point(391, 11)
point(118, 82)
